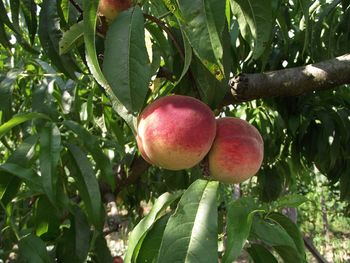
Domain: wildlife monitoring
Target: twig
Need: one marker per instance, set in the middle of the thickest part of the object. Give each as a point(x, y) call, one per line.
point(137, 168)
point(162, 25)
point(76, 5)
point(310, 246)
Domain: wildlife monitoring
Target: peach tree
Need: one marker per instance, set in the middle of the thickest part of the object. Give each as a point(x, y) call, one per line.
point(94, 141)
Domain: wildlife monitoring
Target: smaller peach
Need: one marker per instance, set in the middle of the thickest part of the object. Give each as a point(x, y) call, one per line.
point(237, 151)
point(111, 8)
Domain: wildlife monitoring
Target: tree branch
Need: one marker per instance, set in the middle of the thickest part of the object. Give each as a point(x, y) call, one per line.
point(310, 246)
point(137, 168)
point(290, 82)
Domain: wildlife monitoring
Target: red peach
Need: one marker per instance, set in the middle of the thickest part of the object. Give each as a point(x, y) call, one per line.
point(175, 132)
point(237, 151)
point(111, 8)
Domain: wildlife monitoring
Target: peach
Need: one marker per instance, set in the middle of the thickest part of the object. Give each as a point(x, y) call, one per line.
point(175, 132)
point(111, 8)
point(237, 151)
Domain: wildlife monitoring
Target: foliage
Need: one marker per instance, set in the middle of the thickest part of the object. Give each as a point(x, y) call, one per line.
point(70, 93)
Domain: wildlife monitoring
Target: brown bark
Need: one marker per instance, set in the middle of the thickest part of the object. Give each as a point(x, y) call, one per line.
point(324, 75)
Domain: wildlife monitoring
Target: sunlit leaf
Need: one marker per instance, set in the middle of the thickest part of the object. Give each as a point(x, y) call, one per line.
point(192, 230)
point(126, 64)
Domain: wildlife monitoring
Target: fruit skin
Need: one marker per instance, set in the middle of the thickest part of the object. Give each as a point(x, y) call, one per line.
point(118, 259)
point(175, 132)
point(237, 151)
point(111, 8)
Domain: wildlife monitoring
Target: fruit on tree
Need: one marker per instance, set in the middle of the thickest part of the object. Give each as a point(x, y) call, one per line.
point(118, 259)
point(175, 132)
point(111, 8)
point(237, 151)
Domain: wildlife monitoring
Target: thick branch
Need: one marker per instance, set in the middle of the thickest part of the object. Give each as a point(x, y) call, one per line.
point(290, 82)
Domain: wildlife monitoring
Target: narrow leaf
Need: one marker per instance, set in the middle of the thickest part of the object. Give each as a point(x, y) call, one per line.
point(50, 147)
point(260, 254)
point(18, 119)
point(274, 235)
point(255, 22)
point(4, 38)
point(292, 200)
point(50, 34)
point(146, 224)
point(292, 229)
point(9, 184)
point(90, 18)
point(304, 5)
point(187, 58)
point(91, 143)
point(102, 254)
point(27, 175)
point(29, 9)
point(74, 243)
point(203, 25)
point(87, 185)
point(192, 230)
point(150, 245)
point(239, 220)
point(72, 38)
point(126, 64)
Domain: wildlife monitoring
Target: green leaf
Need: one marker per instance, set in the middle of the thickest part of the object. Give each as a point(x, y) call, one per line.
point(292, 200)
point(276, 236)
point(260, 254)
point(146, 224)
point(239, 220)
point(192, 230)
point(33, 250)
point(126, 64)
point(90, 18)
point(187, 58)
point(18, 119)
point(203, 23)
point(30, 178)
point(74, 244)
point(151, 243)
point(255, 22)
point(87, 185)
point(102, 253)
point(50, 34)
point(72, 38)
point(305, 4)
point(9, 184)
point(209, 87)
point(4, 38)
point(6, 91)
point(50, 148)
point(292, 229)
point(46, 218)
point(14, 4)
point(29, 9)
point(270, 183)
point(91, 143)
point(5, 19)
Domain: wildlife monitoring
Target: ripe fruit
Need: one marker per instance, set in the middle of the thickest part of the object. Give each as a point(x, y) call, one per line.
point(118, 259)
point(111, 8)
point(175, 132)
point(237, 151)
